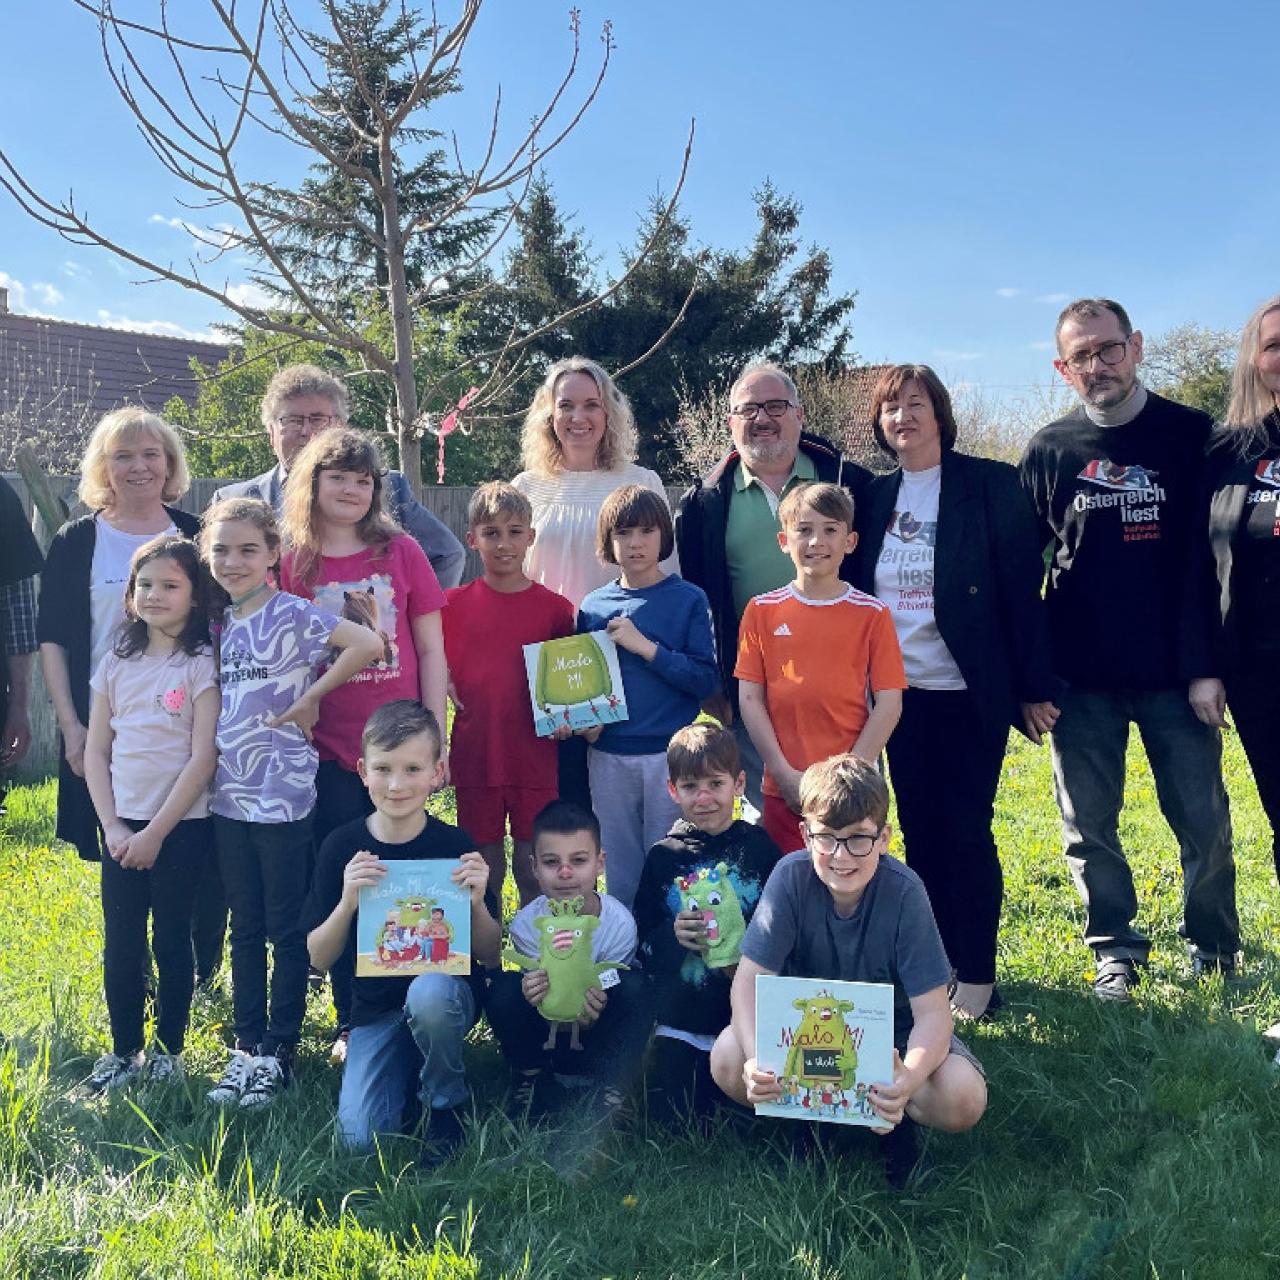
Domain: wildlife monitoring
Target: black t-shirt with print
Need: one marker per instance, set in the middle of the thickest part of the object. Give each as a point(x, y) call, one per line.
point(1259, 556)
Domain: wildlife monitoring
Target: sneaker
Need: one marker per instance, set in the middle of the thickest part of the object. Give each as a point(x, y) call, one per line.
point(1204, 966)
point(163, 1069)
point(534, 1095)
point(112, 1072)
point(901, 1152)
point(1116, 979)
point(235, 1079)
point(271, 1075)
point(338, 1049)
point(445, 1134)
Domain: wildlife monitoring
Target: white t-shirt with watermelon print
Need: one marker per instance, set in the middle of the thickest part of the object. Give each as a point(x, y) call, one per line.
point(152, 702)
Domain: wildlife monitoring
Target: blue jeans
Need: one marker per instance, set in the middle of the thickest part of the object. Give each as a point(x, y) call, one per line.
point(405, 1058)
point(1186, 761)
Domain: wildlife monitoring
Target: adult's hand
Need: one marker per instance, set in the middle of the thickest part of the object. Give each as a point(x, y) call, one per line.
point(74, 737)
point(1039, 719)
point(1208, 700)
point(15, 737)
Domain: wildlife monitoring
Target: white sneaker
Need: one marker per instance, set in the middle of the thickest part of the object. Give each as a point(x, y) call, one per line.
point(163, 1069)
point(235, 1079)
point(270, 1076)
point(112, 1072)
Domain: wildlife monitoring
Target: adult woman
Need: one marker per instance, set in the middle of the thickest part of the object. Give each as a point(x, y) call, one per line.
point(949, 543)
point(1244, 530)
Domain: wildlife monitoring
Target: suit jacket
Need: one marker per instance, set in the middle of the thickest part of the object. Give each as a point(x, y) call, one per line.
point(988, 574)
point(446, 553)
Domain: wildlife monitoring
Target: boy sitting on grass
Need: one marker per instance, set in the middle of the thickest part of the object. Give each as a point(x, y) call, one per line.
point(843, 911)
point(700, 885)
point(406, 1033)
point(807, 655)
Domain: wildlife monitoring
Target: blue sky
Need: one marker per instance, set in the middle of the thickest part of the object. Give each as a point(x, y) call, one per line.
point(969, 166)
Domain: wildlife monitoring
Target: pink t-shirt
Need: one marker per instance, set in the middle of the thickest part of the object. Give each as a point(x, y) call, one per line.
point(384, 593)
point(152, 701)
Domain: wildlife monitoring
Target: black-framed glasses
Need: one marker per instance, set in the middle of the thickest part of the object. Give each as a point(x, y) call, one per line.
point(316, 421)
point(750, 412)
point(1110, 353)
point(856, 846)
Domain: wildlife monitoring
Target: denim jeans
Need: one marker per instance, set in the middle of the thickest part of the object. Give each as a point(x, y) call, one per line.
point(405, 1058)
point(1186, 762)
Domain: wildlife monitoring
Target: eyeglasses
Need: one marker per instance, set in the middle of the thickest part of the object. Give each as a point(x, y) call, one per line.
point(316, 421)
point(856, 846)
point(774, 408)
point(1110, 354)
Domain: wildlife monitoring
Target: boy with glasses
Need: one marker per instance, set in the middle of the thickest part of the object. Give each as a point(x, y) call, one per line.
point(840, 910)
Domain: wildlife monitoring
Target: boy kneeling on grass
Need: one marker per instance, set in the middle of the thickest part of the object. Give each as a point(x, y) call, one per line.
point(407, 1033)
point(840, 910)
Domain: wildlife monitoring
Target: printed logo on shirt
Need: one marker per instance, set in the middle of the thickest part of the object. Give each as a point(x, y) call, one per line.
point(909, 548)
point(783, 630)
point(371, 603)
point(237, 665)
point(1132, 489)
point(906, 528)
point(172, 700)
point(1268, 473)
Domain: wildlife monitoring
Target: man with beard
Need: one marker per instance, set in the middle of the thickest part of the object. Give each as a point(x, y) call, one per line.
point(727, 522)
point(1115, 484)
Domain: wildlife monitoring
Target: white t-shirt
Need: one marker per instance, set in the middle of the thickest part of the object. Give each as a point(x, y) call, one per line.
point(108, 577)
point(614, 937)
point(566, 509)
point(904, 581)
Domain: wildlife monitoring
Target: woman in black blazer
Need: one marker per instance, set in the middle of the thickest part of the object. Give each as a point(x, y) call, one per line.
point(1244, 530)
point(949, 542)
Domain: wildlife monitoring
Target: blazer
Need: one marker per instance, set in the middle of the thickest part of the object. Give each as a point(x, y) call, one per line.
point(64, 619)
point(446, 553)
point(988, 575)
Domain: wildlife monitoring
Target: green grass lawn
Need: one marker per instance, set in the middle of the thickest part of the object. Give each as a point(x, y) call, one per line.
point(1127, 1142)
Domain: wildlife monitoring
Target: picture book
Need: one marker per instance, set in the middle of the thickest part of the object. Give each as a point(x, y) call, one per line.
point(827, 1042)
point(415, 920)
point(574, 680)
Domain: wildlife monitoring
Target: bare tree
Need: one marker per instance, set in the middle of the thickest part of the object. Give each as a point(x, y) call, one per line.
point(201, 103)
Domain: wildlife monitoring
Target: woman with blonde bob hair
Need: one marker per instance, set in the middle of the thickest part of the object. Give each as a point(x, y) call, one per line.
point(133, 465)
point(1244, 532)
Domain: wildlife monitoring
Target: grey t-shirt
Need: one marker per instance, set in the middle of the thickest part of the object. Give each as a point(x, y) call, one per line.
point(890, 937)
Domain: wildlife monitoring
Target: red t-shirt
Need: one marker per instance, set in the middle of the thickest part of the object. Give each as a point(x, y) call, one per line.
point(494, 743)
point(384, 593)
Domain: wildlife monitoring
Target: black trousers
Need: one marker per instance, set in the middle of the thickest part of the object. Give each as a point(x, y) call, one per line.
point(209, 922)
point(1253, 694)
point(680, 1086)
point(266, 867)
point(945, 772)
point(164, 893)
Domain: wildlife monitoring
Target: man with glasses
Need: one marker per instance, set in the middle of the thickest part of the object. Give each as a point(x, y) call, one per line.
point(1115, 485)
point(303, 400)
point(727, 522)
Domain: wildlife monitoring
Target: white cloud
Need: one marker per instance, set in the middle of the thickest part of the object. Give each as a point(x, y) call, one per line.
point(47, 294)
point(163, 328)
point(74, 269)
point(250, 295)
point(1054, 299)
point(1008, 292)
point(949, 353)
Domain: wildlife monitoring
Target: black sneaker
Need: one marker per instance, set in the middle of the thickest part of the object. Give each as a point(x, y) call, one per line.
point(1115, 979)
point(111, 1071)
point(901, 1152)
point(445, 1134)
point(534, 1096)
point(272, 1074)
point(1204, 966)
point(235, 1079)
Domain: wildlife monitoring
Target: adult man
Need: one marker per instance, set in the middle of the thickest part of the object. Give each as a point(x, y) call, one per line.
point(727, 522)
point(20, 562)
point(1114, 484)
point(303, 400)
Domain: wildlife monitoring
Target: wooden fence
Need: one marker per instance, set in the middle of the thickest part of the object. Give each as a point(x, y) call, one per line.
point(447, 502)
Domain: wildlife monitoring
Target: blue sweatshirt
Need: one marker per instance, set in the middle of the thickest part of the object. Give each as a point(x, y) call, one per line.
point(666, 694)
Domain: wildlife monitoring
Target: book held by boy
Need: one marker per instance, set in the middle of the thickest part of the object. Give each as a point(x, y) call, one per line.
point(827, 1042)
point(574, 681)
point(415, 920)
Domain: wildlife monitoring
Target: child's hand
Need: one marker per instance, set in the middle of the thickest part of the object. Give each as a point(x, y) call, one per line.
point(762, 1086)
point(592, 1007)
point(363, 871)
point(691, 931)
point(472, 874)
point(116, 833)
point(889, 1101)
point(626, 635)
point(304, 713)
point(590, 734)
point(140, 851)
point(535, 986)
point(562, 732)
point(453, 696)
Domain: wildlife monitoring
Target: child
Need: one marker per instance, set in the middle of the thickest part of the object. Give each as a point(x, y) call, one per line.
point(720, 864)
point(809, 653)
point(406, 1034)
point(347, 555)
point(270, 647)
point(614, 1027)
point(148, 760)
point(666, 652)
point(843, 911)
point(501, 768)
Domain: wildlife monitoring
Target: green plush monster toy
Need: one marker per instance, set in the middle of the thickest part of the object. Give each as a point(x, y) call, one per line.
point(822, 1049)
point(709, 890)
point(564, 939)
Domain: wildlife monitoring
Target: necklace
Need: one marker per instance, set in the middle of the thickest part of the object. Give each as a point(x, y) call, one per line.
point(237, 601)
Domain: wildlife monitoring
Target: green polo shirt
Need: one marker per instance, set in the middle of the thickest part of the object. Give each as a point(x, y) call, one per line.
point(756, 563)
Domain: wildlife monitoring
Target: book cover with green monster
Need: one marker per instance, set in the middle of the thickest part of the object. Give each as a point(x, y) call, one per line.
point(414, 920)
point(574, 681)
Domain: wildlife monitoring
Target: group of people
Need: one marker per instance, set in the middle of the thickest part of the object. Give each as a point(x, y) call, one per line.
point(254, 704)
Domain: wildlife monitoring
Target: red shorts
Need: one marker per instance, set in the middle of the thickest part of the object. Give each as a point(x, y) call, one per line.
point(782, 825)
point(483, 811)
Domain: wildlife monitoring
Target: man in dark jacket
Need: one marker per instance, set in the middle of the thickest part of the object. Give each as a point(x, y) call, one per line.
point(1116, 485)
point(727, 522)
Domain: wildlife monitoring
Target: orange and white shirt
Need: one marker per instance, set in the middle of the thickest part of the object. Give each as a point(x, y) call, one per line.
point(819, 661)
